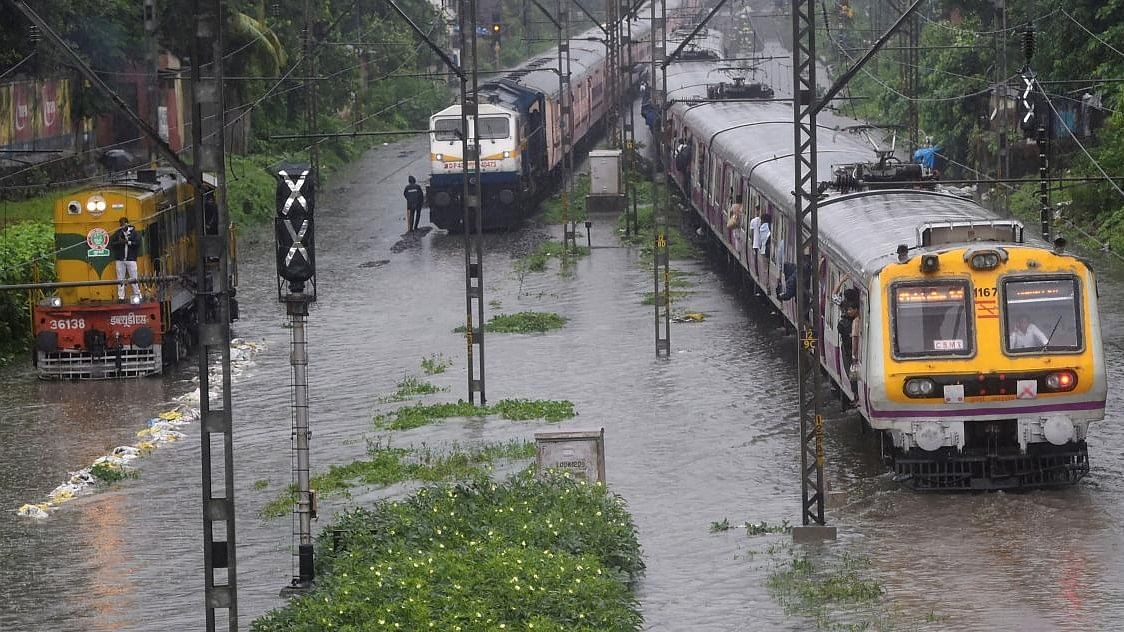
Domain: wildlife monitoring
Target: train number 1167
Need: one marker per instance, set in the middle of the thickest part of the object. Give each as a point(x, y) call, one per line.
point(986, 292)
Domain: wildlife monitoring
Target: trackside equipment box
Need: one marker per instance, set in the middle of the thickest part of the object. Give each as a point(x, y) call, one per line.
point(581, 452)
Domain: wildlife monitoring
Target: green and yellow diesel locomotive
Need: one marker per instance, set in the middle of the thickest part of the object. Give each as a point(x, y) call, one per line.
point(82, 330)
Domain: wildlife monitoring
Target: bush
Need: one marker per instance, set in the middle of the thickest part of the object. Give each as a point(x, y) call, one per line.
point(25, 250)
point(526, 554)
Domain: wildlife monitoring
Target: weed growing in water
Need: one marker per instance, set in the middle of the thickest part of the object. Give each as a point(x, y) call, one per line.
point(522, 323)
point(760, 528)
point(537, 260)
point(109, 473)
point(717, 527)
point(409, 417)
point(387, 465)
point(261, 484)
point(824, 588)
point(409, 387)
point(435, 363)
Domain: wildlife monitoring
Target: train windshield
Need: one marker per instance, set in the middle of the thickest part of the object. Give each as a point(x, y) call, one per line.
point(1041, 315)
point(493, 127)
point(447, 129)
point(931, 319)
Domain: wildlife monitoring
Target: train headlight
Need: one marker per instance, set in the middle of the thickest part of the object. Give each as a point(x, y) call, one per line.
point(135, 299)
point(439, 157)
point(95, 203)
point(930, 263)
point(55, 301)
point(1059, 381)
point(507, 154)
point(988, 259)
point(920, 387)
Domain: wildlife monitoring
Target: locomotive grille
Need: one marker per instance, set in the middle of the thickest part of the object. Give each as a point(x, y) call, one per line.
point(83, 365)
point(947, 470)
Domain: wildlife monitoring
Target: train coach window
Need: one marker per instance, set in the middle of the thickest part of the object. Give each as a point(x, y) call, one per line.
point(447, 129)
point(931, 319)
point(1041, 315)
point(494, 127)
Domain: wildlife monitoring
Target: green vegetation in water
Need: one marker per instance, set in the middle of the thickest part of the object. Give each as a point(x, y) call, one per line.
point(528, 553)
point(26, 256)
point(409, 387)
point(678, 245)
point(435, 363)
point(109, 473)
point(552, 207)
point(826, 588)
point(522, 323)
point(676, 295)
point(261, 484)
point(387, 465)
point(409, 417)
point(718, 527)
point(547, 250)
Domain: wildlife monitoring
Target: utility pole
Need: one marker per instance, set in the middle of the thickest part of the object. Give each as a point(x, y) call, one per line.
point(629, 129)
point(311, 113)
point(1037, 118)
point(473, 206)
point(213, 309)
point(661, 256)
point(569, 239)
point(153, 63)
point(1002, 159)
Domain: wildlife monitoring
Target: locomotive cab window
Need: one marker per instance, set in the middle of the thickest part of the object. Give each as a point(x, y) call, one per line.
point(1041, 315)
point(493, 127)
point(447, 129)
point(932, 319)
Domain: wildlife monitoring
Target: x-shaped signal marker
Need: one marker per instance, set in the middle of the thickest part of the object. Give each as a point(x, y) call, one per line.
point(297, 238)
point(295, 194)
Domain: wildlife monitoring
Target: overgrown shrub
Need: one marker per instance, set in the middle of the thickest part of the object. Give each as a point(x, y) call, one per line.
point(25, 251)
point(525, 554)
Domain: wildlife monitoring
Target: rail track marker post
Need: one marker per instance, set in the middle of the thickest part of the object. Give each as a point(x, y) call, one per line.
point(296, 271)
point(213, 300)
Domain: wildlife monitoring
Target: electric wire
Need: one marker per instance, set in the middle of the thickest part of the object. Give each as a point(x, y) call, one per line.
point(17, 65)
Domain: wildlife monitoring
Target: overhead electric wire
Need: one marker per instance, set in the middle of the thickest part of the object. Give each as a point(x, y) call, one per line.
point(1096, 164)
point(17, 65)
point(1010, 29)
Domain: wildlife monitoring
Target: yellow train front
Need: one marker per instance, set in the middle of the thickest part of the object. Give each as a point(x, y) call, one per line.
point(984, 362)
point(84, 331)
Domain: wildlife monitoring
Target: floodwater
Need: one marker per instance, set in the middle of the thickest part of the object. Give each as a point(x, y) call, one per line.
point(710, 433)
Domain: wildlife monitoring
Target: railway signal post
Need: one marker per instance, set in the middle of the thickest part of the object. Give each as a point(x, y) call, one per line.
point(296, 272)
point(661, 257)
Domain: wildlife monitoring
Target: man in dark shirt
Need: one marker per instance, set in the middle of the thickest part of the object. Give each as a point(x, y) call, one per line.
point(123, 245)
point(415, 199)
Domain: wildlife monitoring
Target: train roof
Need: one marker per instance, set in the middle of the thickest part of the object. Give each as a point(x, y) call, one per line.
point(863, 227)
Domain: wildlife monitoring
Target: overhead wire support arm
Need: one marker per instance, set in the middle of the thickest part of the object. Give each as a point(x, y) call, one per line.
point(854, 70)
point(589, 15)
point(547, 14)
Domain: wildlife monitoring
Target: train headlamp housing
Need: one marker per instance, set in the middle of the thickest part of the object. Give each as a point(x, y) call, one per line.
point(918, 387)
point(439, 157)
point(506, 154)
point(95, 203)
point(51, 301)
point(930, 263)
point(985, 258)
point(1060, 381)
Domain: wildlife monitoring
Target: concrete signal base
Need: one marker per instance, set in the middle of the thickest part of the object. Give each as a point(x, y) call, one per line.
point(812, 533)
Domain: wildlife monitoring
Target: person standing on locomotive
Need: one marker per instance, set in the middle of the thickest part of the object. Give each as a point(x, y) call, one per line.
point(124, 245)
point(415, 199)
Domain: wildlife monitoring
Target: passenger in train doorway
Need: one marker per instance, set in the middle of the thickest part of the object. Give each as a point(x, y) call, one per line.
point(765, 231)
point(415, 199)
point(850, 328)
point(124, 245)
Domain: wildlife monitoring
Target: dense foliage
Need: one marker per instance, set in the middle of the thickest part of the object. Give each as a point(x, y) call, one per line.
point(1076, 52)
point(26, 256)
point(525, 554)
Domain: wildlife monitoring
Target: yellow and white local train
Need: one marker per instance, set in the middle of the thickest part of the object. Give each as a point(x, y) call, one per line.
point(980, 355)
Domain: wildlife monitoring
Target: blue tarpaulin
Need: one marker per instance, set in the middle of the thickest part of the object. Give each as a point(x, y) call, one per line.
point(927, 156)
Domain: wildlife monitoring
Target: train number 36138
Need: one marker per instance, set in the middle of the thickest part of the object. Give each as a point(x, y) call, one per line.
point(67, 323)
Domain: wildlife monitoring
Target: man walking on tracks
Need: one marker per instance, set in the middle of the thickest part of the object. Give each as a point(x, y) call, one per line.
point(415, 199)
point(124, 245)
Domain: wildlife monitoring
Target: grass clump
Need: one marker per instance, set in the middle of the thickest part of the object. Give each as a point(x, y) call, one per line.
point(525, 554)
point(537, 260)
point(522, 323)
point(820, 588)
point(409, 387)
point(678, 245)
point(435, 363)
point(552, 207)
point(386, 465)
point(409, 417)
point(109, 473)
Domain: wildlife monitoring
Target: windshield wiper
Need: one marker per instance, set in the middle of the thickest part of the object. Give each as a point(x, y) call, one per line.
point(1052, 332)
